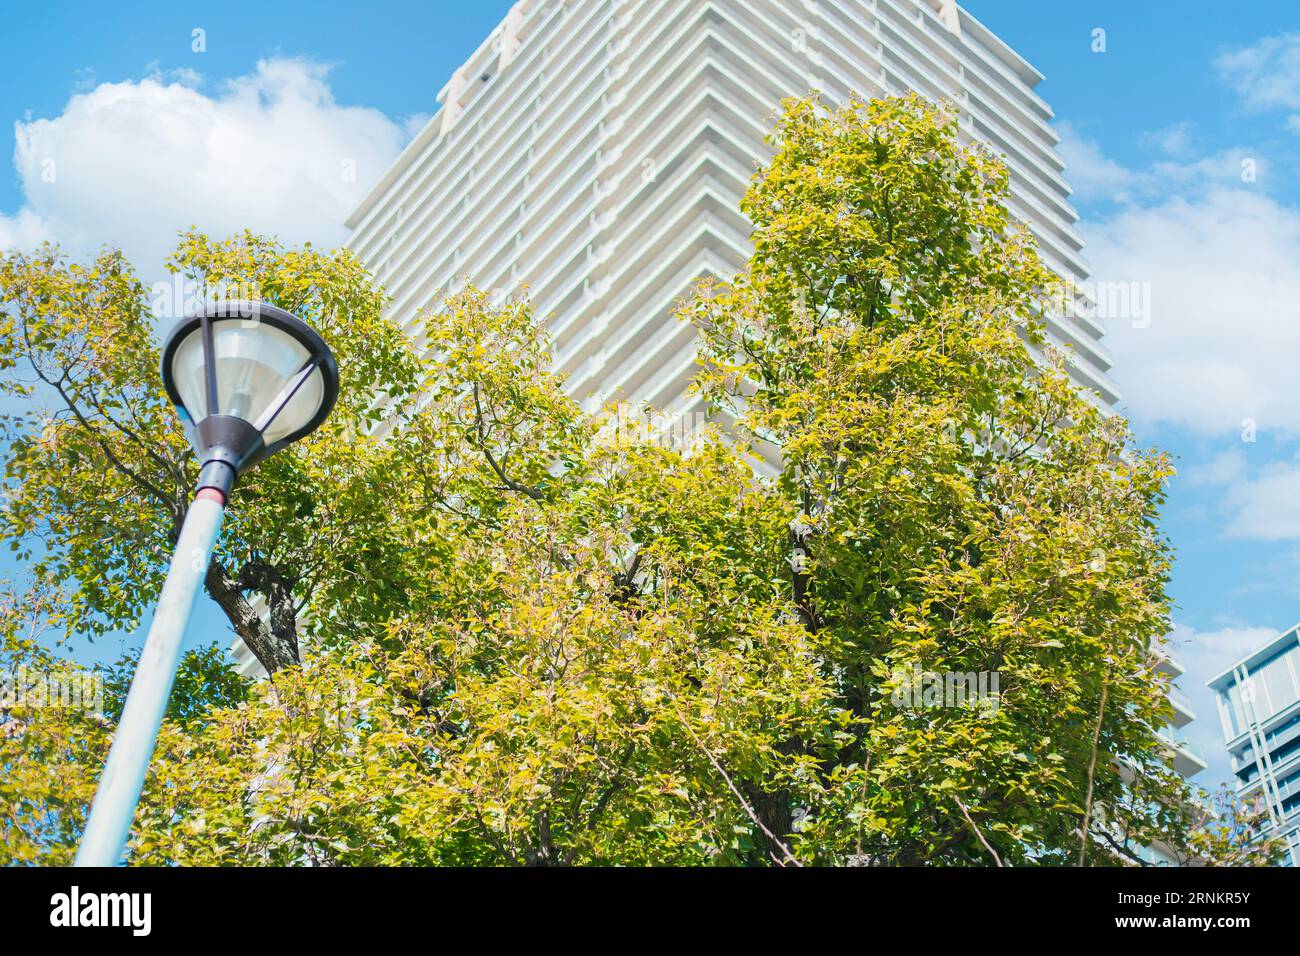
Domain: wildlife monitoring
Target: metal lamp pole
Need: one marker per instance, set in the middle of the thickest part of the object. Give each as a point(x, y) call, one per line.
point(146, 702)
point(254, 378)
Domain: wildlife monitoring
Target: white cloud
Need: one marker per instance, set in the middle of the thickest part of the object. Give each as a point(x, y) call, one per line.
point(1094, 176)
point(1173, 140)
point(132, 163)
point(1224, 468)
point(1266, 507)
point(1224, 332)
point(1266, 74)
point(1091, 174)
point(23, 231)
point(1215, 353)
point(1210, 653)
point(1260, 504)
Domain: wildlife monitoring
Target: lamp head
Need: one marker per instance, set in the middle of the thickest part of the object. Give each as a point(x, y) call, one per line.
point(248, 379)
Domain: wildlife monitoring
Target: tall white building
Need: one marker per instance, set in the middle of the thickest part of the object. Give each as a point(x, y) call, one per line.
point(596, 151)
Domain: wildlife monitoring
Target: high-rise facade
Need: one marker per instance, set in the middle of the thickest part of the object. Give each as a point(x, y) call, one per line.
point(595, 152)
point(1259, 706)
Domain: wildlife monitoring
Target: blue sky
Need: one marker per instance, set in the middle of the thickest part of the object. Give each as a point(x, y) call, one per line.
point(1157, 128)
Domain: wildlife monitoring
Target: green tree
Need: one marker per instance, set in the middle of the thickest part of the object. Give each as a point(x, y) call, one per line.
point(99, 471)
point(962, 508)
point(204, 681)
point(504, 631)
point(56, 720)
point(46, 752)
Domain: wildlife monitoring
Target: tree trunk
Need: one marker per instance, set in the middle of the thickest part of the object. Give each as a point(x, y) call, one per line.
point(275, 646)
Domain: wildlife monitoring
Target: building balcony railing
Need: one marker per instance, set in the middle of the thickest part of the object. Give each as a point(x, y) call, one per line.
point(1186, 756)
point(1182, 703)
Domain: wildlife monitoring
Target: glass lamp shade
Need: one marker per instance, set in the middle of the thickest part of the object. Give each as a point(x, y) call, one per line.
point(249, 374)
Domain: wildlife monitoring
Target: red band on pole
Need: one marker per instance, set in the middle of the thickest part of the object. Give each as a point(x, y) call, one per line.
point(212, 495)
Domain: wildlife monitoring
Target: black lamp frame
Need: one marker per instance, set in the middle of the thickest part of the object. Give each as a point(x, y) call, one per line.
point(227, 445)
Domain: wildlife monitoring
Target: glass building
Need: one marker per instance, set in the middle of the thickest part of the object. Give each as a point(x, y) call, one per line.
point(1259, 707)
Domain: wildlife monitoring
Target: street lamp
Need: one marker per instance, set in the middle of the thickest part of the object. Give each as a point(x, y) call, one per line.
point(247, 379)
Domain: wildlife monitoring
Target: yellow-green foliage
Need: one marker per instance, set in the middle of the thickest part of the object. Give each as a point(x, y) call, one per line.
point(532, 644)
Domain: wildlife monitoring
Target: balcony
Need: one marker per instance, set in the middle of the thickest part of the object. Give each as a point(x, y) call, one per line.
point(1184, 713)
point(1165, 663)
point(1185, 756)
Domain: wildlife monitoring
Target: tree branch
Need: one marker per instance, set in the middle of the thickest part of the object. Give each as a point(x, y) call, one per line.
point(979, 834)
point(1086, 825)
